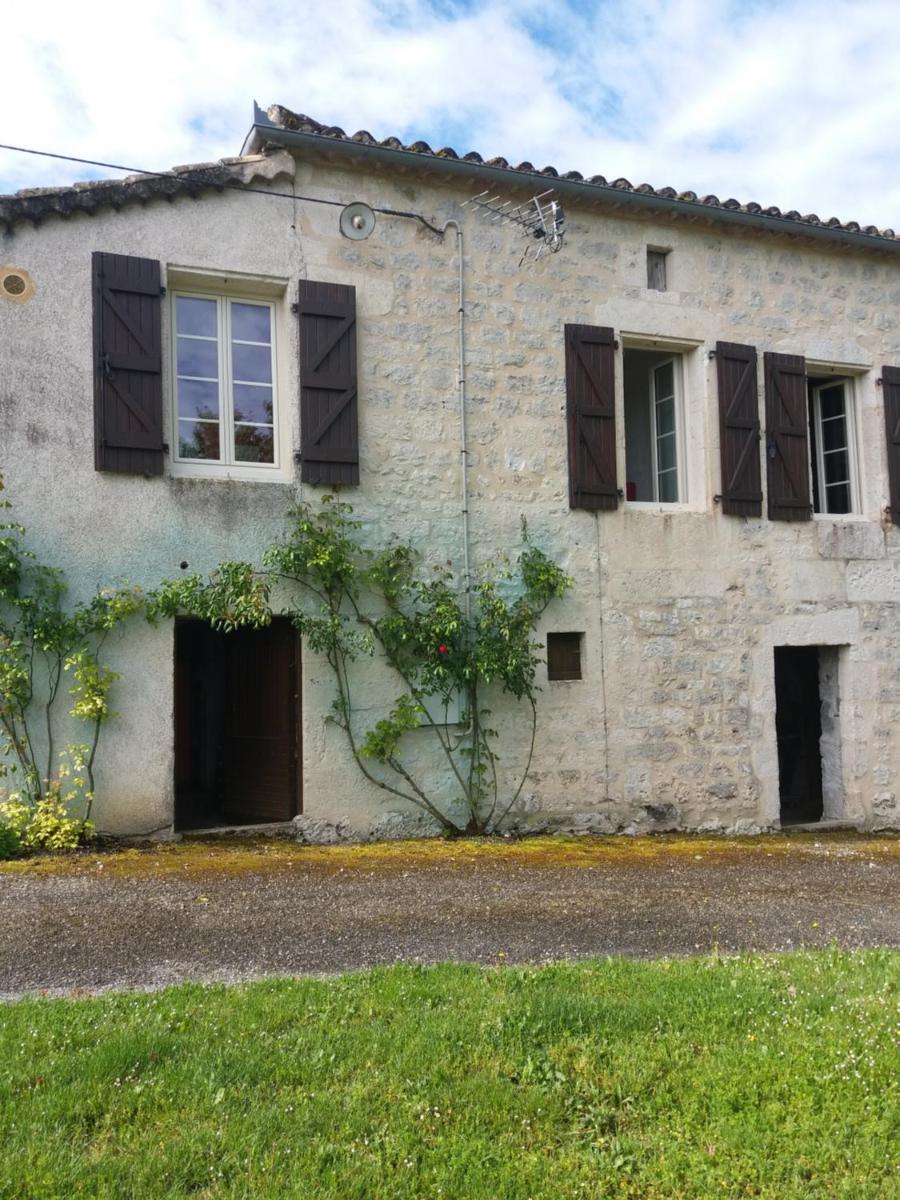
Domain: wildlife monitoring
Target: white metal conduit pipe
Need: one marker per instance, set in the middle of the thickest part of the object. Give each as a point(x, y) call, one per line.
point(463, 443)
point(357, 223)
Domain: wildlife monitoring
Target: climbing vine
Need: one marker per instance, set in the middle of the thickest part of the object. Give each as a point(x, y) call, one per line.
point(448, 657)
point(349, 601)
point(50, 649)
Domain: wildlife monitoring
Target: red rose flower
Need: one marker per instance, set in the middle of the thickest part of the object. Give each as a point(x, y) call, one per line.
point(442, 649)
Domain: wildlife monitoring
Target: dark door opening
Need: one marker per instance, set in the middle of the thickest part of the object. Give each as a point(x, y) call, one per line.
point(798, 727)
point(236, 725)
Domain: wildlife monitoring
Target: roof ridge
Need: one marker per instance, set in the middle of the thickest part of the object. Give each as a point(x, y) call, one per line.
point(35, 204)
point(284, 118)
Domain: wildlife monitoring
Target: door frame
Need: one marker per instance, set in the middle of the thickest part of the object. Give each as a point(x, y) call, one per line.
point(296, 722)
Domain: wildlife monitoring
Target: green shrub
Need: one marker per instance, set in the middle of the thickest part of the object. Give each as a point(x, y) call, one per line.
point(9, 842)
point(46, 822)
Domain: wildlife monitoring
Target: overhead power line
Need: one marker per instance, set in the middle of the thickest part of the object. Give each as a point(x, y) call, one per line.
point(238, 187)
point(199, 178)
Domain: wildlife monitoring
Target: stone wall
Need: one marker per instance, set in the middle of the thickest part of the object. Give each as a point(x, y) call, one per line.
point(673, 722)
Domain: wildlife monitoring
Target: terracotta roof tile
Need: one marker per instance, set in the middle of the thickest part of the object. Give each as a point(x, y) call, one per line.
point(284, 118)
point(193, 179)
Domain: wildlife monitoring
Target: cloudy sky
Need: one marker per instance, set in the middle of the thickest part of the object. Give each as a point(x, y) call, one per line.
point(787, 102)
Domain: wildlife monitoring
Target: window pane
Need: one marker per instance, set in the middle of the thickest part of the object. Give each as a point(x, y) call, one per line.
point(254, 443)
point(837, 498)
point(253, 404)
point(251, 364)
point(665, 417)
point(198, 358)
point(196, 399)
point(665, 452)
point(834, 434)
point(250, 322)
point(832, 401)
point(195, 316)
point(198, 439)
point(837, 467)
point(668, 487)
point(665, 380)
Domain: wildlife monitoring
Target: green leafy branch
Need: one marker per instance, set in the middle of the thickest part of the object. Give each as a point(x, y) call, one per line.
point(43, 639)
point(349, 601)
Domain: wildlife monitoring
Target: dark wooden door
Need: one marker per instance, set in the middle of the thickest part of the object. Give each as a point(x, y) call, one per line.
point(259, 742)
point(798, 725)
point(237, 739)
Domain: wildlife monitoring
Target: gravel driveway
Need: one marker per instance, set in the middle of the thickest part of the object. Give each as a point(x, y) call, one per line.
point(90, 928)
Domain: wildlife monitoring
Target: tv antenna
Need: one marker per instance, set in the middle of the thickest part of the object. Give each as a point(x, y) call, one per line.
point(540, 219)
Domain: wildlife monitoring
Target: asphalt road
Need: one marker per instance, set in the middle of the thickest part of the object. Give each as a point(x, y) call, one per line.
point(89, 931)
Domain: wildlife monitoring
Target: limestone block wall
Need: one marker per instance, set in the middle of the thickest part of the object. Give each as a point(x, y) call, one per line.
point(680, 607)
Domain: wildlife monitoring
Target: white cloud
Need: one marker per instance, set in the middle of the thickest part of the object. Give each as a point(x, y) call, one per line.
point(788, 103)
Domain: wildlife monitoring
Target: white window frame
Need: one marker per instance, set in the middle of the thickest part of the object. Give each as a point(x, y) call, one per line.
point(280, 470)
point(691, 386)
point(822, 384)
point(678, 404)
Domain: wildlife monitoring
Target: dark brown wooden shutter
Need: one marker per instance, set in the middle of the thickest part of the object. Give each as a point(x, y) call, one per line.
point(128, 416)
point(329, 439)
point(787, 438)
point(890, 386)
point(739, 430)
point(591, 417)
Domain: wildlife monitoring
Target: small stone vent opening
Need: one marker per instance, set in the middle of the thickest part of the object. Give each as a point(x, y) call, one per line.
point(807, 725)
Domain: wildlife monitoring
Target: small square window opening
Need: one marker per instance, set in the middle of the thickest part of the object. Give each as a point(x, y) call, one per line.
point(656, 270)
point(564, 656)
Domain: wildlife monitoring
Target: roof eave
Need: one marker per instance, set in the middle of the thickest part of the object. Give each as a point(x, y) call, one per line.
point(263, 132)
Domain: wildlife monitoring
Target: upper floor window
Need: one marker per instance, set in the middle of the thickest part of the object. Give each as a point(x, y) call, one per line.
point(225, 389)
point(654, 427)
point(832, 443)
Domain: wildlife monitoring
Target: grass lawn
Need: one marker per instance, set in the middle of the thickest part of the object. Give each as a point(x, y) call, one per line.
point(771, 1076)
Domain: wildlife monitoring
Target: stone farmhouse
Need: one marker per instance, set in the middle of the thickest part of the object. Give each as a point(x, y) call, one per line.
point(695, 403)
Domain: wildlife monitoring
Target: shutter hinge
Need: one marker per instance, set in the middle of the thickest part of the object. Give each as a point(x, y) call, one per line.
point(710, 354)
point(298, 456)
point(295, 308)
point(879, 382)
point(620, 493)
point(165, 447)
point(717, 499)
point(162, 289)
point(615, 343)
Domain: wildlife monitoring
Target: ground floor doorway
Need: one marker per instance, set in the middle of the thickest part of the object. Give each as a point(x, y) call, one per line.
point(798, 727)
point(237, 725)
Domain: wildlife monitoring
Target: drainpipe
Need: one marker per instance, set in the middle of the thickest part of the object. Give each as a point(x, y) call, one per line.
point(463, 442)
point(463, 445)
